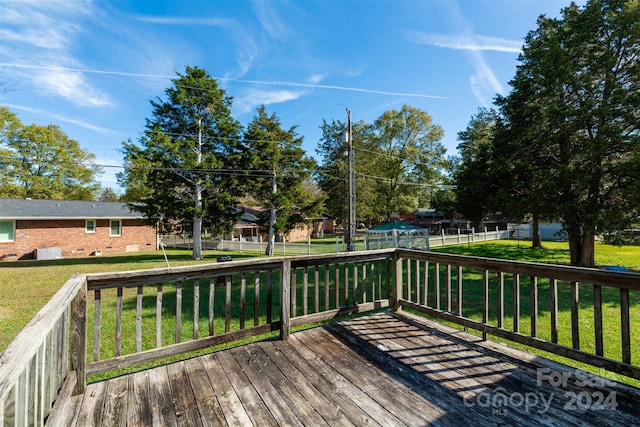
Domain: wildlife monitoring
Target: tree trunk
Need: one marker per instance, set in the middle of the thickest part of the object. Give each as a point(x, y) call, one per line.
point(197, 237)
point(582, 248)
point(536, 242)
point(587, 253)
point(575, 247)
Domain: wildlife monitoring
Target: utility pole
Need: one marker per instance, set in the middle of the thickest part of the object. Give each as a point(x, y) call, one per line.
point(197, 220)
point(272, 221)
point(351, 241)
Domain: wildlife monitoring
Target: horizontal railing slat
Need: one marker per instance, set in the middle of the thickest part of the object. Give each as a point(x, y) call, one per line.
point(114, 363)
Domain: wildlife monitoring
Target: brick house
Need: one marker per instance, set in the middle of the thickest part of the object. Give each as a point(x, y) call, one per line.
point(247, 227)
point(46, 229)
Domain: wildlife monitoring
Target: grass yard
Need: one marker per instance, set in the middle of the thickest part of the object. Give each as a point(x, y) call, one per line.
point(550, 253)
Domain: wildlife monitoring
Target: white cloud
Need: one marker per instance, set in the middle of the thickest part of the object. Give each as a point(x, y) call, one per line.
point(211, 21)
point(72, 86)
point(38, 32)
point(253, 98)
point(316, 78)
point(110, 168)
point(58, 118)
point(467, 42)
point(270, 19)
point(484, 83)
point(333, 87)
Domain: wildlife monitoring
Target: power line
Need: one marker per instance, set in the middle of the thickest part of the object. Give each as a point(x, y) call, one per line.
point(389, 180)
point(243, 172)
point(49, 66)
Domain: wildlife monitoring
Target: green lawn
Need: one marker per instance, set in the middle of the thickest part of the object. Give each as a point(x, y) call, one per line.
point(551, 252)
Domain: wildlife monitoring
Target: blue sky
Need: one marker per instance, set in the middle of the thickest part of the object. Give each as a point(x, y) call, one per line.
point(93, 67)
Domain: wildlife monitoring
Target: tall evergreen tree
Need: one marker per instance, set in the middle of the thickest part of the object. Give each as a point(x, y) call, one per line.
point(577, 91)
point(279, 153)
point(185, 167)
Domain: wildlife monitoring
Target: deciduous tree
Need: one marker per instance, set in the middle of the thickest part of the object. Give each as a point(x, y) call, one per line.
point(407, 160)
point(42, 162)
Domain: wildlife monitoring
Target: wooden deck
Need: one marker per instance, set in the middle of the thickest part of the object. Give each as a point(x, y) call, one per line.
point(374, 370)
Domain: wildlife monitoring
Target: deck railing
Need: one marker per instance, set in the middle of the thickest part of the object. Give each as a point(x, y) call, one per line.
point(42, 365)
point(563, 307)
point(103, 322)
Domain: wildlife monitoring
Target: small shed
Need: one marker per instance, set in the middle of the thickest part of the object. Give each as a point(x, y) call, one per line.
point(397, 234)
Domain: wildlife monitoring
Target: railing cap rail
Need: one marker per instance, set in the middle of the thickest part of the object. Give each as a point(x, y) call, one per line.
point(593, 276)
point(167, 274)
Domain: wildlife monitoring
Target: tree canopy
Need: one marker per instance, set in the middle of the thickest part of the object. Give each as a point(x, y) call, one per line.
point(284, 168)
point(185, 167)
point(568, 135)
point(42, 162)
point(399, 159)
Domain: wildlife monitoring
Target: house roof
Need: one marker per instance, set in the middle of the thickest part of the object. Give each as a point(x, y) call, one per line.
point(11, 209)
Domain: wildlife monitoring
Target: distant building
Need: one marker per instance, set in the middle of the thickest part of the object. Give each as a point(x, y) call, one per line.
point(49, 229)
point(247, 228)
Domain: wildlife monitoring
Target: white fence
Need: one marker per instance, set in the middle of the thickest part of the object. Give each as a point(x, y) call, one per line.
point(415, 241)
point(369, 243)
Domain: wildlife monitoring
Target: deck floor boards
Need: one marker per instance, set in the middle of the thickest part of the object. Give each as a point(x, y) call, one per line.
point(376, 370)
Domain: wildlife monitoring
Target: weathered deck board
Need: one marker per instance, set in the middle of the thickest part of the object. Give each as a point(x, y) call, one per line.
point(374, 370)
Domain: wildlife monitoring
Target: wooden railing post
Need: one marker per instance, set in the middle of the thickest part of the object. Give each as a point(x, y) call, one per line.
point(397, 281)
point(285, 289)
point(78, 346)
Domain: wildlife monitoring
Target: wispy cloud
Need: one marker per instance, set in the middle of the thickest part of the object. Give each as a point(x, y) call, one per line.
point(72, 86)
point(58, 118)
point(270, 20)
point(466, 42)
point(316, 78)
point(42, 31)
point(253, 98)
point(483, 83)
point(332, 87)
point(253, 82)
point(177, 20)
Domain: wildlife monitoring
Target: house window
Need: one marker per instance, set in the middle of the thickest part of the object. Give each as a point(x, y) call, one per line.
point(7, 231)
point(115, 227)
point(90, 226)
